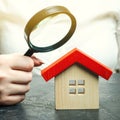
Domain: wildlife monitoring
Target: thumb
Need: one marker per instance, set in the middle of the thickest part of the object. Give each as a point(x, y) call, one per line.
point(37, 62)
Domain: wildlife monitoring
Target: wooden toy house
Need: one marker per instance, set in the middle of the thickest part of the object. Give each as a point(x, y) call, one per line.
point(76, 80)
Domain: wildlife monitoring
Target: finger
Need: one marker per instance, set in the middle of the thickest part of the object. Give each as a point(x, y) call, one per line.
point(23, 63)
point(20, 77)
point(37, 62)
point(13, 99)
point(17, 89)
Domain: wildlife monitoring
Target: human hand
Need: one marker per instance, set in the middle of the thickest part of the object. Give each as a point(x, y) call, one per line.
point(15, 76)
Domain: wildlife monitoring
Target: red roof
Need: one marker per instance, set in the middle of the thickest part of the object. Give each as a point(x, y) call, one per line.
point(72, 57)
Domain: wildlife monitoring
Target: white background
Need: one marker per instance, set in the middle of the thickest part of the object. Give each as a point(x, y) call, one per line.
point(95, 32)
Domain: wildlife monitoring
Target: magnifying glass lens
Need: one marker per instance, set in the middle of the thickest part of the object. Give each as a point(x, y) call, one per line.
point(50, 30)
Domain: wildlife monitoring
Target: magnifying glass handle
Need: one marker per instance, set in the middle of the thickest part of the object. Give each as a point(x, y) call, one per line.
point(29, 52)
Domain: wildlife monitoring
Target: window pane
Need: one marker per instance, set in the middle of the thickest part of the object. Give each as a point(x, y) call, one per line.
point(81, 90)
point(81, 82)
point(72, 91)
point(72, 82)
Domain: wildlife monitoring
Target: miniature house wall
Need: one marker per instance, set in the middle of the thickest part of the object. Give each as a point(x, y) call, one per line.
point(76, 80)
point(76, 88)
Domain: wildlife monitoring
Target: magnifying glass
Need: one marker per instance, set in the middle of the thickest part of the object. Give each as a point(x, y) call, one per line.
point(49, 29)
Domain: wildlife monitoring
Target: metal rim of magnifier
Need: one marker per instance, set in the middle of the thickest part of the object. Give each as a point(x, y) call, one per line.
point(41, 15)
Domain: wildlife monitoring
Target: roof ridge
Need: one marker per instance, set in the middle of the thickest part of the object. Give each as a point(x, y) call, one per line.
point(75, 56)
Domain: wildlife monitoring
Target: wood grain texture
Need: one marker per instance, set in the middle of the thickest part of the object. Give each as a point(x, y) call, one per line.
point(87, 100)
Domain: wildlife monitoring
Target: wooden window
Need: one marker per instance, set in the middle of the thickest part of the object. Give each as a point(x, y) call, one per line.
point(72, 82)
point(72, 91)
point(76, 86)
point(81, 82)
point(81, 90)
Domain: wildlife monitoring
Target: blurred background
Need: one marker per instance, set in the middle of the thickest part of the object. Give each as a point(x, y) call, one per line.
point(95, 32)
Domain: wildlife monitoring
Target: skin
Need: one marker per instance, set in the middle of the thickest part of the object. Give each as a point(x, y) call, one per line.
point(15, 76)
